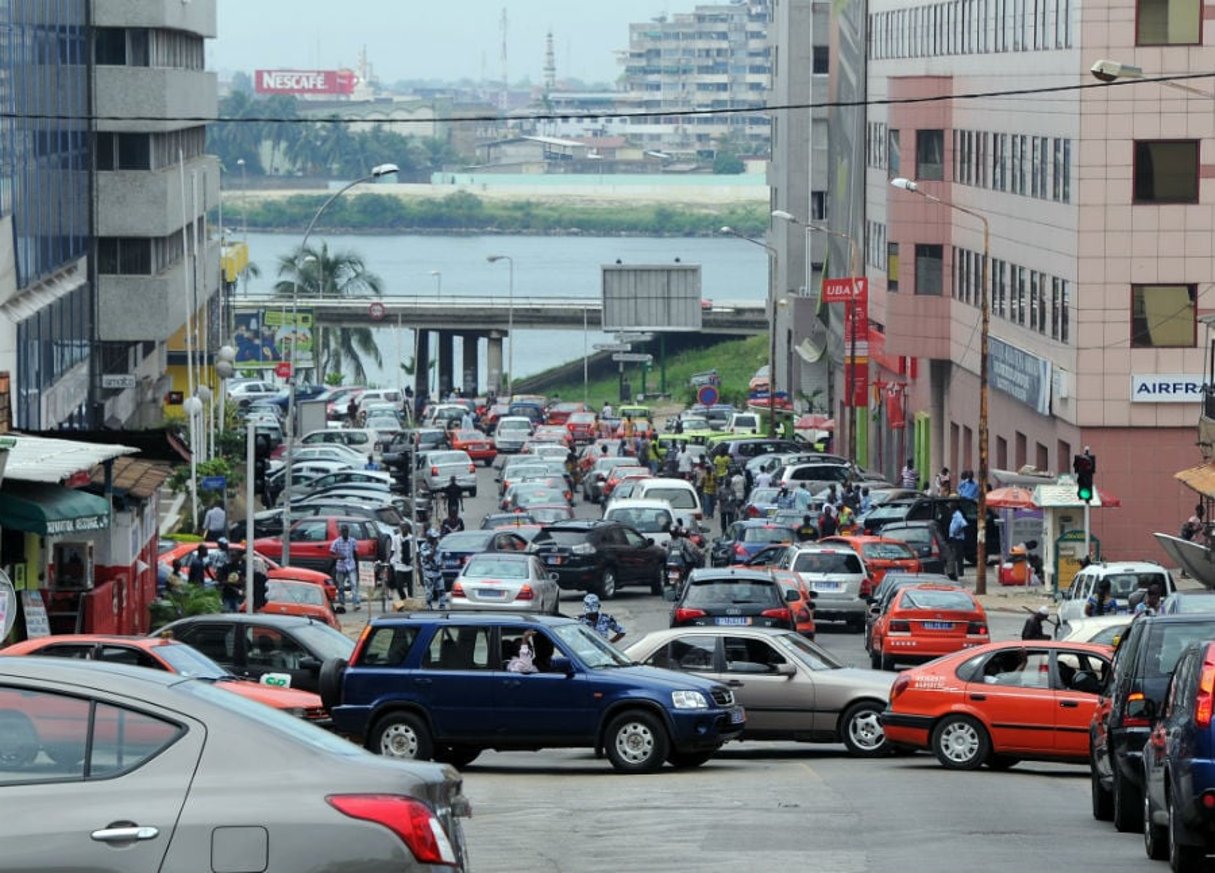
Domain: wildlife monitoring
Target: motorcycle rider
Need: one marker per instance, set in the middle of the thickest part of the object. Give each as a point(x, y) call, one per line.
point(682, 552)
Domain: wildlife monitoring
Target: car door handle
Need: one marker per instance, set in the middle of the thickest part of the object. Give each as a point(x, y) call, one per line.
point(978, 697)
point(421, 681)
point(735, 683)
point(124, 834)
point(1069, 704)
point(513, 683)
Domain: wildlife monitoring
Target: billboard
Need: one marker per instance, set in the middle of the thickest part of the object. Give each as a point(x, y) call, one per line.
point(264, 336)
point(332, 82)
point(658, 297)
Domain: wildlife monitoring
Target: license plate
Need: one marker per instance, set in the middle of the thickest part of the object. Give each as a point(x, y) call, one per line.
point(553, 560)
point(733, 621)
point(828, 586)
point(938, 625)
point(491, 592)
point(451, 563)
point(738, 715)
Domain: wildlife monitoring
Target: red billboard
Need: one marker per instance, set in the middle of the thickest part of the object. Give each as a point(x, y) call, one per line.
point(339, 82)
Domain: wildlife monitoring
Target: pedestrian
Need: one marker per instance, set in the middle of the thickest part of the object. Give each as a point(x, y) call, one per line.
point(942, 484)
point(227, 576)
point(198, 570)
point(466, 421)
point(1194, 524)
point(176, 580)
point(806, 531)
point(601, 623)
point(738, 484)
point(607, 412)
point(785, 498)
point(721, 466)
point(346, 567)
point(708, 489)
point(968, 487)
point(909, 478)
point(432, 571)
point(645, 455)
point(402, 561)
point(215, 522)
point(828, 524)
point(763, 478)
point(728, 506)
point(955, 567)
point(454, 496)
point(452, 523)
point(846, 520)
point(866, 501)
point(352, 412)
point(685, 461)
point(1150, 605)
point(1032, 629)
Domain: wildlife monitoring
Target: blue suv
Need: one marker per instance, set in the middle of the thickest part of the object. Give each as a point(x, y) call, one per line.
point(437, 685)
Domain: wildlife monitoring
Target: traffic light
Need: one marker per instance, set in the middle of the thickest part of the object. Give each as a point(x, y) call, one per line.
point(261, 461)
point(1084, 467)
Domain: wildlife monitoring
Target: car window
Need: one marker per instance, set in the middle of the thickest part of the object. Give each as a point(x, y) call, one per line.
point(496, 566)
point(1166, 644)
point(719, 592)
point(46, 736)
point(1123, 584)
point(1070, 663)
point(679, 498)
point(213, 640)
point(127, 655)
point(927, 598)
point(1023, 668)
point(387, 646)
point(66, 651)
point(542, 648)
point(887, 551)
point(458, 647)
point(633, 539)
point(767, 535)
point(827, 562)
point(268, 648)
point(694, 653)
point(310, 531)
point(809, 654)
point(748, 655)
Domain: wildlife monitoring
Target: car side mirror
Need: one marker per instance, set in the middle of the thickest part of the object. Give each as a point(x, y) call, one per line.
point(786, 669)
point(562, 665)
point(792, 595)
point(1143, 707)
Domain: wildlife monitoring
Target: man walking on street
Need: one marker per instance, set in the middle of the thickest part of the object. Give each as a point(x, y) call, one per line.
point(346, 568)
point(215, 522)
point(957, 545)
point(455, 497)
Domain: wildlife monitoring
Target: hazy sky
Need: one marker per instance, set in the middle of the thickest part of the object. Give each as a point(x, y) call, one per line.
point(447, 39)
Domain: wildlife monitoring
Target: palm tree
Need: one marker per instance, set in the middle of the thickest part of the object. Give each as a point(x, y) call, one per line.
point(322, 274)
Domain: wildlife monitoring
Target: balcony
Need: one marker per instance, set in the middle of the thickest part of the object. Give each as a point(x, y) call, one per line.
point(197, 17)
point(150, 308)
point(148, 203)
point(154, 92)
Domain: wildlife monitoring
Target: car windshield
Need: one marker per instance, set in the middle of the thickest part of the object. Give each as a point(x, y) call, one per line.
point(1122, 584)
point(718, 592)
point(1194, 602)
point(679, 498)
point(909, 534)
point(465, 541)
point(827, 562)
point(485, 566)
point(808, 653)
point(323, 641)
point(449, 458)
point(513, 425)
point(522, 472)
point(767, 535)
point(547, 514)
point(1166, 642)
point(562, 537)
point(189, 662)
point(889, 510)
point(764, 495)
point(886, 551)
point(929, 598)
point(300, 592)
point(645, 520)
point(593, 650)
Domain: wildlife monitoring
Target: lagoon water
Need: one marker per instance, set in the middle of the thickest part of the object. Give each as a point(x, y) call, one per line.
point(544, 266)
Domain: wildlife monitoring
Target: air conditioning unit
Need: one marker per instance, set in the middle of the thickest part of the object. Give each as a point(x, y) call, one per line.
point(73, 567)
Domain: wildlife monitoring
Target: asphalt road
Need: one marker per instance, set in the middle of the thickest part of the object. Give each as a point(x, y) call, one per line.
point(767, 806)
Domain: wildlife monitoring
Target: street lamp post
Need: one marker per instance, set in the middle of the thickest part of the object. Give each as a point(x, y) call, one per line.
point(771, 326)
point(376, 172)
point(510, 322)
point(984, 336)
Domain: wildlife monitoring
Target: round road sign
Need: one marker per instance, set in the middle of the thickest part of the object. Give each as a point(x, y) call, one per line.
point(707, 395)
point(376, 311)
point(283, 369)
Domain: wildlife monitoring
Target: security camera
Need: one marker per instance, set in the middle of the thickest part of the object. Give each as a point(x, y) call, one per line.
point(1109, 71)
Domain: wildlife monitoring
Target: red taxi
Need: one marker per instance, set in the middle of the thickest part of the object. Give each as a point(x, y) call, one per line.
point(273, 569)
point(477, 445)
point(312, 537)
point(924, 622)
point(291, 597)
point(619, 474)
point(1000, 703)
point(560, 412)
point(803, 607)
point(582, 427)
point(880, 554)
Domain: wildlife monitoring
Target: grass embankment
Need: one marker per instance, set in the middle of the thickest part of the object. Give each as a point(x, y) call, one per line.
point(465, 212)
point(735, 361)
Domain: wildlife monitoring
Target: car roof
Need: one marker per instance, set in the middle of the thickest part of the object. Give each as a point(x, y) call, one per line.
point(266, 618)
point(87, 673)
point(717, 574)
point(640, 503)
point(140, 642)
point(578, 524)
point(466, 617)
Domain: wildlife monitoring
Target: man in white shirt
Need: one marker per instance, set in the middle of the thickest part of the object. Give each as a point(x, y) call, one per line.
point(215, 522)
point(607, 410)
point(763, 479)
point(685, 461)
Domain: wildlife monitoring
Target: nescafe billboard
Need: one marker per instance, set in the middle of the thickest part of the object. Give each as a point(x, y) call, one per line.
point(305, 81)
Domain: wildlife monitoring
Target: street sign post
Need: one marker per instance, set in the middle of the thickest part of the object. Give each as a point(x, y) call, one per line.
point(213, 483)
point(612, 347)
point(707, 395)
point(632, 357)
point(283, 369)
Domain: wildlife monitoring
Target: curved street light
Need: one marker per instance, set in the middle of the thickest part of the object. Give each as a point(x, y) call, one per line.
point(510, 323)
point(726, 229)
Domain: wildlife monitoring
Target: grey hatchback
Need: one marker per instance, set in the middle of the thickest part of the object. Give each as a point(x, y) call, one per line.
point(126, 770)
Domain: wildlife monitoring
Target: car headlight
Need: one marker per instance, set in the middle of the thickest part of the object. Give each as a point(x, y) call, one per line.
point(689, 700)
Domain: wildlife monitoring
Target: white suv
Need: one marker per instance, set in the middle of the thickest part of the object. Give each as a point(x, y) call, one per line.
point(838, 577)
point(1126, 577)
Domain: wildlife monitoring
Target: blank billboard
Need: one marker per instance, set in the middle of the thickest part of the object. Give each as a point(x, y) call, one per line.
point(659, 297)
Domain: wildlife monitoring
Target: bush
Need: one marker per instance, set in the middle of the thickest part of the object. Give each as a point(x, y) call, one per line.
point(191, 600)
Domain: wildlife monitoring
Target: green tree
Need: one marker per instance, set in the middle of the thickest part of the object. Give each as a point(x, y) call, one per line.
point(240, 135)
point(727, 163)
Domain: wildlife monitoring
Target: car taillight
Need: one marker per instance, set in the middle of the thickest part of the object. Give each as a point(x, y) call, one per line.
point(802, 615)
point(525, 593)
point(901, 684)
point(358, 646)
point(752, 511)
point(434, 471)
point(457, 590)
point(1128, 720)
point(740, 550)
point(1206, 695)
point(934, 549)
point(685, 614)
point(900, 627)
point(409, 819)
point(976, 628)
point(783, 612)
point(866, 588)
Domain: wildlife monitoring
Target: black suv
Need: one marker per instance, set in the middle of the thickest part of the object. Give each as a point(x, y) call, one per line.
point(438, 685)
point(730, 596)
point(600, 556)
point(1129, 704)
point(940, 510)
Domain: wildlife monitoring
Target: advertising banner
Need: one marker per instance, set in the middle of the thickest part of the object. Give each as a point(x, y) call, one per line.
point(263, 338)
point(1020, 375)
point(305, 81)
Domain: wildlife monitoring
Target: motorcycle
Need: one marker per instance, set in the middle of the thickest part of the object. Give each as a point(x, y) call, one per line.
point(682, 558)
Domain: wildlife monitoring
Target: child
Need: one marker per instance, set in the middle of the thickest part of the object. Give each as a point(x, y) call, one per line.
point(522, 662)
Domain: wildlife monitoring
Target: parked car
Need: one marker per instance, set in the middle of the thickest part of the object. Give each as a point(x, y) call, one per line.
point(475, 444)
point(436, 470)
point(743, 539)
point(732, 597)
point(1125, 578)
point(311, 538)
point(374, 478)
point(506, 581)
point(171, 656)
point(437, 685)
point(791, 688)
point(512, 432)
point(185, 771)
point(838, 576)
point(251, 646)
point(361, 439)
point(1130, 701)
point(269, 522)
point(292, 597)
point(600, 556)
point(924, 538)
point(923, 622)
point(879, 554)
point(246, 392)
point(999, 704)
point(457, 548)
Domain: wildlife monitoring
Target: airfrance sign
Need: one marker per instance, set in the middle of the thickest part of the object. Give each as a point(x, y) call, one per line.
point(1166, 388)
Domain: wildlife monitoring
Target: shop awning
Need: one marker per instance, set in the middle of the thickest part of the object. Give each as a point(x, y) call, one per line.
point(51, 510)
point(133, 477)
point(43, 459)
point(1200, 478)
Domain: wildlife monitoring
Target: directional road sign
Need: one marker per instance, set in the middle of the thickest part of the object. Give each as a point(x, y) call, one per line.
point(213, 483)
point(634, 337)
point(632, 358)
point(612, 347)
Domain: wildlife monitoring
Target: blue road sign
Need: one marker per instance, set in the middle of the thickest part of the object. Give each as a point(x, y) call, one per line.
point(213, 483)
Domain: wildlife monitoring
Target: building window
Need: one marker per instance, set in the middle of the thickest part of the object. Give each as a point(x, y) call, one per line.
point(928, 260)
point(930, 155)
point(892, 152)
point(818, 205)
point(1064, 313)
point(1054, 306)
point(1168, 22)
point(1163, 316)
point(821, 62)
point(892, 266)
point(1166, 171)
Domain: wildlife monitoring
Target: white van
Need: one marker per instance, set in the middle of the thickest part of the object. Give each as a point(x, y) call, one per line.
point(650, 518)
point(745, 423)
point(1125, 578)
point(677, 492)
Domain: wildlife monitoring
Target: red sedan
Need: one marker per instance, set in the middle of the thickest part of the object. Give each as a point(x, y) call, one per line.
point(880, 554)
point(477, 445)
point(583, 426)
point(924, 622)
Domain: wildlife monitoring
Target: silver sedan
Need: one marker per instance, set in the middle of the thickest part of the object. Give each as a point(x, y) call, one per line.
point(121, 768)
point(504, 581)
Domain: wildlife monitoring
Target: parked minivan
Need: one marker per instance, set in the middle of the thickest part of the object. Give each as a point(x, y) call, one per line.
point(1125, 578)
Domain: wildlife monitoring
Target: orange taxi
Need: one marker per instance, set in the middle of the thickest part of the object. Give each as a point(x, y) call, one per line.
point(803, 607)
point(274, 570)
point(292, 597)
point(1000, 703)
point(170, 656)
point(619, 474)
point(553, 433)
point(879, 553)
point(478, 446)
point(924, 622)
point(582, 427)
point(559, 413)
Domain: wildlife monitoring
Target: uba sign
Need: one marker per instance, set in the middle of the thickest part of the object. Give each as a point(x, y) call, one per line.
point(1166, 388)
point(305, 81)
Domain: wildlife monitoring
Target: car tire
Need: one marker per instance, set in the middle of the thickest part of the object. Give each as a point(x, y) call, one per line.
point(886, 662)
point(960, 743)
point(458, 756)
point(329, 682)
point(1182, 858)
point(402, 735)
point(861, 730)
point(1102, 799)
point(1155, 837)
point(688, 760)
point(636, 742)
point(606, 589)
point(1002, 762)
point(1128, 802)
point(875, 660)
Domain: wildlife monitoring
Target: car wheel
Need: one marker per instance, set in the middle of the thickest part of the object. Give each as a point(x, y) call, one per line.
point(1002, 762)
point(402, 735)
point(688, 760)
point(1128, 816)
point(606, 589)
point(458, 756)
point(636, 742)
point(861, 730)
point(1182, 858)
point(960, 743)
point(1155, 837)
point(329, 682)
point(886, 661)
point(1103, 802)
point(875, 660)
point(19, 743)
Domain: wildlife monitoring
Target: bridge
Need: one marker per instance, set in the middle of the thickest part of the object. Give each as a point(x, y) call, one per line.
point(476, 317)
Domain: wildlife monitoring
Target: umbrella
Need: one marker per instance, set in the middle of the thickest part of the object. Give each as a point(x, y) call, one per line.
point(816, 421)
point(1108, 499)
point(1010, 497)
